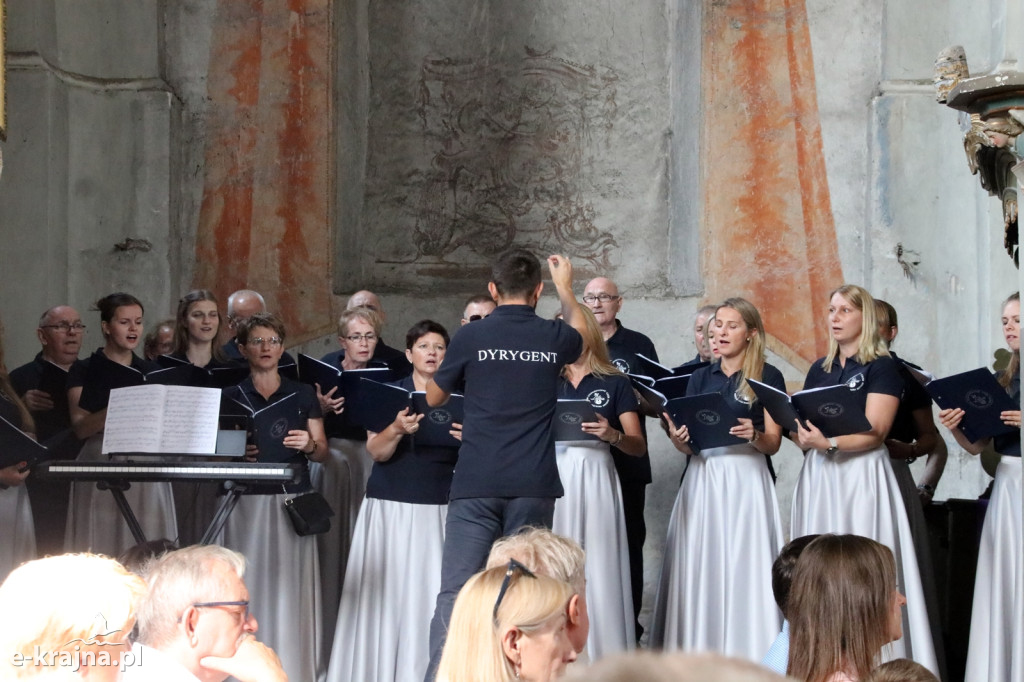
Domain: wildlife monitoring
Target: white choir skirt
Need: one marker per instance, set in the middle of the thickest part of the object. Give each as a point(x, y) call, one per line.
point(996, 649)
point(590, 512)
point(857, 493)
point(391, 584)
point(715, 591)
point(17, 535)
point(341, 479)
point(283, 580)
point(95, 523)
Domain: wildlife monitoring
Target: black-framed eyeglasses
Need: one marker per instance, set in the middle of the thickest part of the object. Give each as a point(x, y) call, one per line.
point(591, 299)
point(215, 604)
point(513, 566)
point(65, 326)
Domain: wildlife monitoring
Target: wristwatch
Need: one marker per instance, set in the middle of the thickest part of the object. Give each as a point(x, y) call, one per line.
point(833, 447)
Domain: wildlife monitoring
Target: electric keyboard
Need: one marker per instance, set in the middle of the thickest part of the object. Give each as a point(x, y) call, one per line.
point(239, 472)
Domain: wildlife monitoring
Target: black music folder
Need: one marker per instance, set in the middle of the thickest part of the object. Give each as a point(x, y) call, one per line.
point(381, 403)
point(708, 418)
point(103, 377)
point(980, 396)
point(16, 446)
point(313, 371)
point(268, 426)
point(835, 410)
point(569, 418)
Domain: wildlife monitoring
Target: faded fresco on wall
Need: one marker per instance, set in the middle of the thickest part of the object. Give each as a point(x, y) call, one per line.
point(509, 145)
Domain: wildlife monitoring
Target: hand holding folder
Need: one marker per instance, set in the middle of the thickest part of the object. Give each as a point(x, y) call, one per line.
point(981, 398)
point(835, 410)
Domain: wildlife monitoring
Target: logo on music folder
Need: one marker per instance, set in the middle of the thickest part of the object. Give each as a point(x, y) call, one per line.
point(830, 410)
point(599, 398)
point(279, 428)
point(979, 399)
point(440, 416)
point(709, 417)
point(572, 418)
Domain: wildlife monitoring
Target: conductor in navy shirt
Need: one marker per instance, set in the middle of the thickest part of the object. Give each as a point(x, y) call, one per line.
point(601, 295)
point(506, 476)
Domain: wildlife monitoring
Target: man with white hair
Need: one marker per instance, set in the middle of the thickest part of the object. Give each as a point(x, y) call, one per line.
point(195, 622)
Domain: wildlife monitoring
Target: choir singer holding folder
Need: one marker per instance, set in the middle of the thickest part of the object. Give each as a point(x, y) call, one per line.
point(287, 427)
point(996, 648)
point(715, 591)
point(847, 484)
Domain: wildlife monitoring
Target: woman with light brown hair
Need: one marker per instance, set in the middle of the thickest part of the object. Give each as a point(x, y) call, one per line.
point(715, 591)
point(591, 510)
point(843, 607)
point(847, 484)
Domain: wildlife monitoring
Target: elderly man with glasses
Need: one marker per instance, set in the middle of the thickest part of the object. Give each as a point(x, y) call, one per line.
point(602, 296)
point(195, 623)
point(41, 384)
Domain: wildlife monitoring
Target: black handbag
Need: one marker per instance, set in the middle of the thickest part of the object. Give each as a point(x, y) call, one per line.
point(310, 513)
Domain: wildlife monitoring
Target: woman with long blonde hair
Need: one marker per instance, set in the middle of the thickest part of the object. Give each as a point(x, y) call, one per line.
point(847, 484)
point(996, 648)
point(715, 590)
point(591, 510)
point(508, 624)
point(844, 606)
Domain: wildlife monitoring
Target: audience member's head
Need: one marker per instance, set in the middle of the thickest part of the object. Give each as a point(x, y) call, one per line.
point(137, 557)
point(782, 569)
point(516, 276)
point(901, 670)
point(477, 308)
point(77, 609)
point(198, 606)
point(159, 341)
point(556, 556)
point(60, 334)
point(508, 624)
point(843, 607)
point(650, 666)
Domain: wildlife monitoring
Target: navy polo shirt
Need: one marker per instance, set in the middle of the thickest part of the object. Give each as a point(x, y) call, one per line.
point(609, 395)
point(881, 375)
point(414, 474)
point(510, 362)
point(1009, 444)
point(623, 347)
point(30, 376)
point(914, 398)
point(711, 379)
point(80, 373)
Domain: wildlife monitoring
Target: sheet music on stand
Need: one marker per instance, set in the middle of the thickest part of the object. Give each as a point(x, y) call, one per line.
point(162, 419)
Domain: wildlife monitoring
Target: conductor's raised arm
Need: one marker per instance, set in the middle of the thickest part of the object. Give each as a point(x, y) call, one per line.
point(561, 276)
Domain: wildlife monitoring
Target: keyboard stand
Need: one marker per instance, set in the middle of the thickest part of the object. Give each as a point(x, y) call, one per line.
point(117, 489)
point(227, 505)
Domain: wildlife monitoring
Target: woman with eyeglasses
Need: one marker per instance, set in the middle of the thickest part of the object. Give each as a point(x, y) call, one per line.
point(846, 484)
point(17, 534)
point(95, 523)
point(508, 624)
point(996, 648)
point(282, 575)
point(385, 607)
point(715, 590)
point(342, 478)
point(591, 510)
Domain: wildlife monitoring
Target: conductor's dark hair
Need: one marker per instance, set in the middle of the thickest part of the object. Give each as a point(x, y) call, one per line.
point(109, 304)
point(782, 569)
point(421, 329)
point(268, 320)
point(516, 273)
